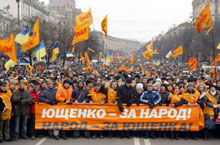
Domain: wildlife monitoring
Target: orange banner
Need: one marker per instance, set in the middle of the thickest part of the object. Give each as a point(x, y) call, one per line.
point(108, 117)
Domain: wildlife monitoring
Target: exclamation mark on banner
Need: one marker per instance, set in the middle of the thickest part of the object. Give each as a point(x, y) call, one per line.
point(189, 113)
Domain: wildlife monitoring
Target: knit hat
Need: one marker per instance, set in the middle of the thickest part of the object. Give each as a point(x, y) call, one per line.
point(128, 81)
point(66, 82)
point(190, 85)
point(139, 86)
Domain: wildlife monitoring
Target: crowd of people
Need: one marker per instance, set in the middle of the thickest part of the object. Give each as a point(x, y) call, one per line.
point(152, 85)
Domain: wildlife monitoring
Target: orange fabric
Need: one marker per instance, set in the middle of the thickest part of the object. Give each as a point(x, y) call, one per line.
point(191, 98)
point(111, 95)
point(97, 97)
point(34, 40)
point(6, 98)
point(8, 47)
point(175, 98)
point(108, 116)
point(209, 110)
point(204, 19)
point(64, 94)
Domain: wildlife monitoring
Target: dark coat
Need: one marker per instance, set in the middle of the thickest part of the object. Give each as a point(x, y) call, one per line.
point(83, 97)
point(48, 96)
point(125, 94)
point(164, 98)
point(21, 101)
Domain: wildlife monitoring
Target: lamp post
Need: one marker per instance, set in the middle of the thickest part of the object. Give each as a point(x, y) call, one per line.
point(18, 2)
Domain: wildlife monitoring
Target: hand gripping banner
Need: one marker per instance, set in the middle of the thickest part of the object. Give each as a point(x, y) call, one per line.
point(108, 117)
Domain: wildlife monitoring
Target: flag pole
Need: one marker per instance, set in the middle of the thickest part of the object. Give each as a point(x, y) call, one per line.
point(106, 45)
point(213, 47)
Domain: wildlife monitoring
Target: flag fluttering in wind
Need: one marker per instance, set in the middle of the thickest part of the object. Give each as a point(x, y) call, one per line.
point(150, 47)
point(10, 63)
point(81, 34)
point(169, 54)
point(34, 40)
point(108, 58)
point(91, 50)
point(55, 52)
point(178, 51)
point(146, 54)
point(212, 65)
point(41, 51)
point(69, 54)
point(82, 58)
point(84, 19)
point(217, 59)
point(73, 49)
point(122, 68)
point(204, 19)
point(87, 59)
point(218, 47)
point(7, 46)
point(104, 25)
point(29, 68)
point(23, 36)
point(192, 63)
point(132, 59)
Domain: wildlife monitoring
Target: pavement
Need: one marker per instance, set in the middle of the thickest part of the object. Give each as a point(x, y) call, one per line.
point(113, 141)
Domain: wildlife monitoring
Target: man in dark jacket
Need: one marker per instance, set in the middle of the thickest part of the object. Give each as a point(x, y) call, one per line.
point(165, 95)
point(125, 94)
point(165, 100)
point(21, 100)
point(80, 95)
point(49, 96)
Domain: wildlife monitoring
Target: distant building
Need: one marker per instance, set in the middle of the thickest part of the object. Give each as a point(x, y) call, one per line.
point(199, 5)
point(174, 31)
point(66, 8)
point(7, 22)
point(117, 44)
point(29, 11)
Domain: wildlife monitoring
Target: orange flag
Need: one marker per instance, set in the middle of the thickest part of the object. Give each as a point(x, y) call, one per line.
point(8, 47)
point(132, 59)
point(217, 59)
point(178, 51)
point(193, 63)
point(81, 34)
point(204, 19)
point(146, 54)
point(104, 25)
point(34, 40)
point(212, 65)
point(82, 58)
point(87, 59)
point(122, 68)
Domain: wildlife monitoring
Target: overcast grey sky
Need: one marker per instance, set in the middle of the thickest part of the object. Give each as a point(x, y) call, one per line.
point(137, 19)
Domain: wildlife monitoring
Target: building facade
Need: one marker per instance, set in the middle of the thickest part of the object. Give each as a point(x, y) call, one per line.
point(199, 5)
point(7, 22)
point(66, 8)
point(117, 44)
point(29, 10)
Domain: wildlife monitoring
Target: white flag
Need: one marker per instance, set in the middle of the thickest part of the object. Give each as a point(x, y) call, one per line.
point(169, 54)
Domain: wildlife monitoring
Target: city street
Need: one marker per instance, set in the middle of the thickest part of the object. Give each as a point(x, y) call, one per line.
point(113, 141)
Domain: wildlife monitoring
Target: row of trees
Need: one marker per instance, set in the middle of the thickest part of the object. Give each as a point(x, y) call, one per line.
point(194, 44)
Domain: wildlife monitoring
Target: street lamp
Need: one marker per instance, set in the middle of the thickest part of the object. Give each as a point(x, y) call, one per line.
point(18, 2)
